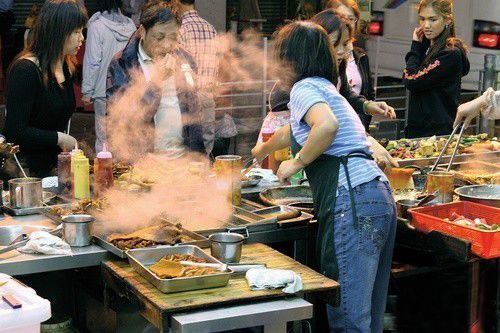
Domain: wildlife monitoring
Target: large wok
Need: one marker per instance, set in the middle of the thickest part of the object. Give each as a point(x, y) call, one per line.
point(483, 194)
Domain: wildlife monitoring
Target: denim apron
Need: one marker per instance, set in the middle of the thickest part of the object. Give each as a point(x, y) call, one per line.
point(323, 176)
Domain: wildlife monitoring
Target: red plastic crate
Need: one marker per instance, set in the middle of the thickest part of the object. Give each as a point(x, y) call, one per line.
point(485, 244)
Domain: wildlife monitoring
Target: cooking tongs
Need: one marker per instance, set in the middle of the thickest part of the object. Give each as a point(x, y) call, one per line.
point(447, 144)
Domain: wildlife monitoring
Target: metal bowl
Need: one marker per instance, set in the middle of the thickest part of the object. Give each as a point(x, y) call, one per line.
point(252, 180)
point(482, 194)
point(403, 205)
point(285, 195)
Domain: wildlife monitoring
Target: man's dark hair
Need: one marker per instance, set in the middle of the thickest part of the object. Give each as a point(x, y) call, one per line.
point(109, 5)
point(187, 2)
point(304, 46)
point(154, 12)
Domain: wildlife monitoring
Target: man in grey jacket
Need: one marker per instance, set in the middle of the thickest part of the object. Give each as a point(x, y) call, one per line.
point(108, 31)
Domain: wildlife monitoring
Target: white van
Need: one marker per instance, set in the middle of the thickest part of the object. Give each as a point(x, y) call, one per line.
point(476, 22)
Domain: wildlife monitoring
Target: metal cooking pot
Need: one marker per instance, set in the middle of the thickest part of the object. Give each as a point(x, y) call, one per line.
point(226, 246)
point(77, 229)
point(25, 192)
point(403, 205)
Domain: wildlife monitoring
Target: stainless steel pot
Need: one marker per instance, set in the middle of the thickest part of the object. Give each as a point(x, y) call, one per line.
point(226, 246)
point(403, 205)
point(25, 192)
point(77, 229)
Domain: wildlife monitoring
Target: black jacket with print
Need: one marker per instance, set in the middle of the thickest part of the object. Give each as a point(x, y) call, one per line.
point(434, 89)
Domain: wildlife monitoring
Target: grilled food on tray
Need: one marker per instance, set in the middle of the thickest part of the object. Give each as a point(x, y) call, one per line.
point(169, 267)
point(431, 147)
point(84, 206)
point(161, 233)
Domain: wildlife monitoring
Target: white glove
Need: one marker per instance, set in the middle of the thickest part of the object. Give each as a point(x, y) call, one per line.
point(65, 141)
point(487, 102)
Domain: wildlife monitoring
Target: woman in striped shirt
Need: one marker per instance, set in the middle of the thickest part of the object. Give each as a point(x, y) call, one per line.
point(352, 198)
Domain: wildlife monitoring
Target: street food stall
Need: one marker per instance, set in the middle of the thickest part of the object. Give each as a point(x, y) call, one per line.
point(137, 265)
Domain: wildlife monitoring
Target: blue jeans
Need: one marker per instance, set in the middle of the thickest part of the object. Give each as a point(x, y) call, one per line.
point(364, 255)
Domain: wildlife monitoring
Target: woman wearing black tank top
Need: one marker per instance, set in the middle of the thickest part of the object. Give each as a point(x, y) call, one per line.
point(40, 97)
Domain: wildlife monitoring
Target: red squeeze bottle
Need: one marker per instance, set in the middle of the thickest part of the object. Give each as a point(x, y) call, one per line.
point(64, 172)
point(103, 171)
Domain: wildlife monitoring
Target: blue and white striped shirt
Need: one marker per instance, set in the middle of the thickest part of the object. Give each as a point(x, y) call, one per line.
point(351, 135)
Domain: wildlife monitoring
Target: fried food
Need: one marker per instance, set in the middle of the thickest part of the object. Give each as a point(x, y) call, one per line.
point(84, 206)
point(163, 233)
point(169, 267)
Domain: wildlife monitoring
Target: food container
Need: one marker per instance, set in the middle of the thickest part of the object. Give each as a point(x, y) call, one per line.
point(77, 229)
point(25, 192)
point(141, 259)
point(401, 178)
point(226, 246)
point(188, 238)
point(228, 170)
point(485, 243)
point(403, 205)
point(443, 182)
point(488, 195)
point(30, 315)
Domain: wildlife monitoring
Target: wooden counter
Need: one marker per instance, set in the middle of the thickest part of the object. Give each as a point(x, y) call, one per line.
point(156, 306)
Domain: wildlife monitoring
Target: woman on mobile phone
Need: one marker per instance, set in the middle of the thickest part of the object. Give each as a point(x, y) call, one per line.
point(434, 69)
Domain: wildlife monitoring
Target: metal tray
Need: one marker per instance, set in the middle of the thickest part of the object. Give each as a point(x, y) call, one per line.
point(251, 221)
point(141, 259)
point(424, 162)
point(302, 219)
point(25, 211)
point(284, 195)
point(54, 217)
point(197, 239)
point(489, 172)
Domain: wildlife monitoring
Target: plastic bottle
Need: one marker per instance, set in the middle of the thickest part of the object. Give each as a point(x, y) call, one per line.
point(103, 171)
point(81, 184)
point(74, 153)
point(64, 172)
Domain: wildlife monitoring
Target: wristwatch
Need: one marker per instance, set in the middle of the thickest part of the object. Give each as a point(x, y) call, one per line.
point(301, 161)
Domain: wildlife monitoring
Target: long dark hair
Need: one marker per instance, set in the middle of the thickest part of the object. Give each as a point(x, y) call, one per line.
point(58, 19)
point(304, 48)
point(332, 22)
point(447, 39)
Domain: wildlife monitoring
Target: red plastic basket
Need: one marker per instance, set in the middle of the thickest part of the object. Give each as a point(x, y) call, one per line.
point(485, 244)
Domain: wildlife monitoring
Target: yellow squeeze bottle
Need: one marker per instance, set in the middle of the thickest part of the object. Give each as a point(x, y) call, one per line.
point(80, 168)
point(74, 153)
